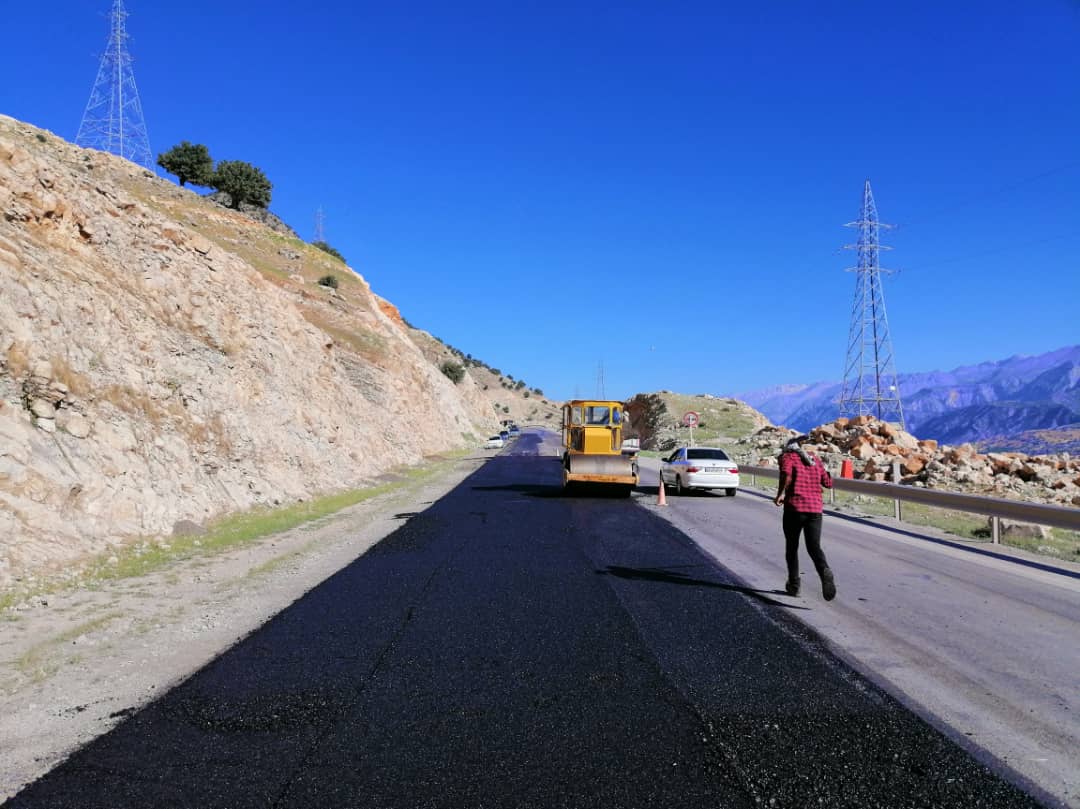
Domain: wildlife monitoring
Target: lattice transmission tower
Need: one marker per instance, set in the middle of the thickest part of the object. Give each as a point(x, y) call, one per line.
point(320, 225)
point(870, 386)
point(113, 120)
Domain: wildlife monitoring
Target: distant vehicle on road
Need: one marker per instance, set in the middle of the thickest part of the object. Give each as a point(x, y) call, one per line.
point(700, 468)
point(514, 431)
point(504, 435)
point(495, 442)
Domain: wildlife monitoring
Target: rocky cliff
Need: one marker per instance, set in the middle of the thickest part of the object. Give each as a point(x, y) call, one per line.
point(165, 361)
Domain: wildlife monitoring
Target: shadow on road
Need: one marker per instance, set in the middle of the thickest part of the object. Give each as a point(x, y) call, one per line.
point(669, 576)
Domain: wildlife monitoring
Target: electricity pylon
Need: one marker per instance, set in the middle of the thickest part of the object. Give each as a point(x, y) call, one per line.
point(113, 120)
point(869, 374)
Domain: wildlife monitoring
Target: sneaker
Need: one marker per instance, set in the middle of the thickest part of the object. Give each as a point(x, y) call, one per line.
point(828, 584)
point(792, 587)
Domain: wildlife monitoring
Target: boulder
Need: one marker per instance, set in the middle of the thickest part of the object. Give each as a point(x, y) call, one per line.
point(862, 450)
point(43, 409)
point(913, 464)
point(1024, 530)
point(74, 424)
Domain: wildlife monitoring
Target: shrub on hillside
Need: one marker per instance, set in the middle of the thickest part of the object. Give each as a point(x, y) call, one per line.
point(453, 371)
point(328, 249)
point(329, 281)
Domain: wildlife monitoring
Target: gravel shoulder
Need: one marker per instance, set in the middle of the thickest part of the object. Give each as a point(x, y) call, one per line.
point(73, 664)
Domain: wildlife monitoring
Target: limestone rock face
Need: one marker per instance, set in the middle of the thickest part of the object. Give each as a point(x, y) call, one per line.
point(873, 447)
point(157, 368)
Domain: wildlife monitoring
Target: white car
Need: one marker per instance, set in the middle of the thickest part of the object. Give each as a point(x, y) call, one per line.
point(700, 468)
point(495, 442)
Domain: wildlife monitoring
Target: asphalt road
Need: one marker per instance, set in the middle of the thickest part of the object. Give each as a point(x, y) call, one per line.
point(511, 647)
point(985, 642)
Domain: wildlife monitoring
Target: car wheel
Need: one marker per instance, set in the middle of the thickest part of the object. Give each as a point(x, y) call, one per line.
point(679, 490)
point(731, 492)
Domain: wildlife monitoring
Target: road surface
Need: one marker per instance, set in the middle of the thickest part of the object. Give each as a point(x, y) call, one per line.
point(511, 647)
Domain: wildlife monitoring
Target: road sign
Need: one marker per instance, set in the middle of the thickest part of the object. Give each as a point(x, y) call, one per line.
point(690, 419)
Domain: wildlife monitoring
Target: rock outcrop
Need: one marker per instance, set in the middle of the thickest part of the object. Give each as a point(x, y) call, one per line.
point(873, 447)
point(165, 361)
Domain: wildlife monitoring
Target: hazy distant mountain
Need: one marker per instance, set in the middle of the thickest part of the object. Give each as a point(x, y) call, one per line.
point(991, 400)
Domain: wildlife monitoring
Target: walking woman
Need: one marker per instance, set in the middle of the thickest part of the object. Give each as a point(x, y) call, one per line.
point(802, 477)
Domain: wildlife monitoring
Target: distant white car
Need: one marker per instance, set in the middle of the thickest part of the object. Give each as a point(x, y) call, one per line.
point(495, 442)
point(700, 468)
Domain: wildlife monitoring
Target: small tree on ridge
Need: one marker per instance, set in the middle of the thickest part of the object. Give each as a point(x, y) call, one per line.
point(243, 182)
point(190, 162)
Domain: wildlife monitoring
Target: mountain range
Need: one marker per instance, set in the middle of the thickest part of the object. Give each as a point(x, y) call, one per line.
point(1023, 403)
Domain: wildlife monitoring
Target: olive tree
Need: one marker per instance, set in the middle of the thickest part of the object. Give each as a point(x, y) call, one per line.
point(190, 162)
point(243, 182)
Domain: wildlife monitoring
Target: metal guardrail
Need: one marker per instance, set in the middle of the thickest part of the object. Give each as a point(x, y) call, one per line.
point(995, 508)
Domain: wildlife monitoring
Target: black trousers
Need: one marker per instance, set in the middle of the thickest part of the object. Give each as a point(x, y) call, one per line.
point(809, 525)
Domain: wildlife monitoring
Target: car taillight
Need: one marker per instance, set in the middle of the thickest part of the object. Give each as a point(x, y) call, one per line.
point(734, 470)
point(692, 469)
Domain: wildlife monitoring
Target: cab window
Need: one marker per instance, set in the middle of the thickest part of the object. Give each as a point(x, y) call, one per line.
point(597, 414)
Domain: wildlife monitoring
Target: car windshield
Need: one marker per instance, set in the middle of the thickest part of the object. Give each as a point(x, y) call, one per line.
point(707, 455)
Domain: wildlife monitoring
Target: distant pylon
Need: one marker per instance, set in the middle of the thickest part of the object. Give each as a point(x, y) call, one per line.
point(113, 120)
point(320, 225)
point(869, 374)
point(600, 381)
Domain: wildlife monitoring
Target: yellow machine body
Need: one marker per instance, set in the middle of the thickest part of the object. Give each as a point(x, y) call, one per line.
point(592, 440)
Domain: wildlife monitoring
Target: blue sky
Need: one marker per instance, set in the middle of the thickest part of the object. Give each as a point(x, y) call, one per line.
point(659, 188)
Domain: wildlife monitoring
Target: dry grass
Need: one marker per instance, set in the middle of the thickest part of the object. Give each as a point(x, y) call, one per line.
point(366, 343)
point(77, 384)
point(132, 402)
point(18, 360)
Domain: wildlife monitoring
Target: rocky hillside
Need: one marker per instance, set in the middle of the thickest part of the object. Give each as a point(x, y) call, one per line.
point(656, 419)
point(873, 446)
point(165, 361)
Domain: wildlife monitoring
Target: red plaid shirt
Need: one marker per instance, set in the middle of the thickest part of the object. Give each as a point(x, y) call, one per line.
point(803, 490)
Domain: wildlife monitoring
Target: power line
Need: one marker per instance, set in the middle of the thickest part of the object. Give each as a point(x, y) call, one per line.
point(994, 252)
point(1005, 189)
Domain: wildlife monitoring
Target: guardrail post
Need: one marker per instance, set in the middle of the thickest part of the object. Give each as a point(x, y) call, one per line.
point(896, 482)
point(995, 530)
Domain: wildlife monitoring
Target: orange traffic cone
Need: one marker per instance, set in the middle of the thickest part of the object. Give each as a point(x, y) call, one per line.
point(661, 498)
point(845, 469)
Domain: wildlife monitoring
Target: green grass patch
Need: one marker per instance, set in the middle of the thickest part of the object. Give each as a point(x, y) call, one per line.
point(231, 532)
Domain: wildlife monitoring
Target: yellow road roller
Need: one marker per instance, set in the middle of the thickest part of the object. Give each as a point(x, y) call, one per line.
point(593, 445)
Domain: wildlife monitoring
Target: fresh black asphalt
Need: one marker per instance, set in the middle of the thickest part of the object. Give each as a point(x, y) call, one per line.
point(512, 647)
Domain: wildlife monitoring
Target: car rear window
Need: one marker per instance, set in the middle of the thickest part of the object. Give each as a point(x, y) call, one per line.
point(706, 455)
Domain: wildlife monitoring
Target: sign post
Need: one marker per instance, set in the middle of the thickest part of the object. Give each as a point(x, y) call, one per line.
point(690, 419)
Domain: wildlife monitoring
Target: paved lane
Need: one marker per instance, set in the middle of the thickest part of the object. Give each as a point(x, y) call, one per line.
point(509, 647)
point(988, 647)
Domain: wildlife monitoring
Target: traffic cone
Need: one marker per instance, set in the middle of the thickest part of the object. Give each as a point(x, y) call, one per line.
point(845, 469)
point(661, 498)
